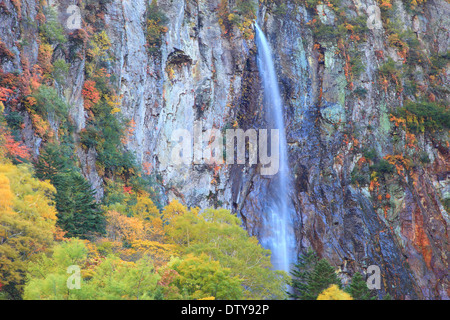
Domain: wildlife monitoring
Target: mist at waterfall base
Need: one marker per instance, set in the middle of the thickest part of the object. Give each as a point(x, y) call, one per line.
point(278, 234)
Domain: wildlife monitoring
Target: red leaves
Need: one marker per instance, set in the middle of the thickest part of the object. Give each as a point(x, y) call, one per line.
point(147, 167)
point(127, 189)
point(90, 93)
point(14, 149)
point(5, 93)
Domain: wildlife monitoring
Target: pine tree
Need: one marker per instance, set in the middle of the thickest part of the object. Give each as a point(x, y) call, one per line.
point(322, 277)
point(311, 276)
point(358, 288)
point(301, 274)
point(78, 212)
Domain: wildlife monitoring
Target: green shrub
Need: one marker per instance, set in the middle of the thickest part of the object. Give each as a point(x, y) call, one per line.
point(78, 212)
point(60, 70)
point(48, 102)
point(324, 32)
point(439, 62)
point(446, 204)
point(361, 92)
point(370, 154)
point(246, 8)
point(156, 27)
point(14, 120)
point(89, 137)
point(389, 69)
point(359, 178)
point(280, 9)
point(382, 167)
point(422, 116)
point(357, 64)
point(52, 31)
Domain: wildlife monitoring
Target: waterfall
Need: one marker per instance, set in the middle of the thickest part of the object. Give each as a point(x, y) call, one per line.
point(278, 234)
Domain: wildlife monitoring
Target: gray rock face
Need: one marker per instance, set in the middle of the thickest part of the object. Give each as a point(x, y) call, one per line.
point(202, 75)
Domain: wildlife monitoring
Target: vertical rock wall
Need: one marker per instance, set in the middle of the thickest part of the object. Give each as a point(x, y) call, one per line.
point(200, 74)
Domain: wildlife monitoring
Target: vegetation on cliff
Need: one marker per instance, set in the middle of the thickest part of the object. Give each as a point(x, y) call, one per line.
point(73, 192)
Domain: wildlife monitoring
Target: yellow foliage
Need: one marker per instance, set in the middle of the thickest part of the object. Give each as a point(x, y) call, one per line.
point(115, 110)
point(334, 293)
point(100, 44)
point(123, 228)
point(27, 221)
point(27, 195)
point(145, 208)
point(173, 209)
point(160, 253)
point(6, 195)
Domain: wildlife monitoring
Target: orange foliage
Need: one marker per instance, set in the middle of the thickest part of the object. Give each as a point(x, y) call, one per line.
point(45, 54)
point(398, 121)
point(123, 228)
point(420, 239)
point(400, 162)
point(374, 184)
point(91, 94)
point(347, 66)
point(361, 161)
point(15, 150)
point(59, 234)
point(385, 4)
point(411, 141)
point(41, 126)
point(147, 167)
point(5, 93)
point(36, 76)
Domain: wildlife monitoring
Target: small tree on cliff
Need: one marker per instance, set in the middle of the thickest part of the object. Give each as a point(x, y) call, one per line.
point(358, 288)
point(321, 278)
point(311, 276)
point(301, 273)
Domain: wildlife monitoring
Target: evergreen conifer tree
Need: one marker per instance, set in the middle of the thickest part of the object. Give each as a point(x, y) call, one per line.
point(358, 288)
point(311, 276)
point(322, 277)
point(78, 212)
point(301, 273)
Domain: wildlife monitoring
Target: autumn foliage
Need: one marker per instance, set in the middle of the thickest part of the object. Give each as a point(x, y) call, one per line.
point(14, 150)
point(90, 94)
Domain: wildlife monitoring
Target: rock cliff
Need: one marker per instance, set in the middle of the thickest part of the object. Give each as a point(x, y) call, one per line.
point(370, 171)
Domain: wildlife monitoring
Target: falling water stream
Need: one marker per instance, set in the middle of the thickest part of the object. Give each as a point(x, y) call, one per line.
point(278, 235)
